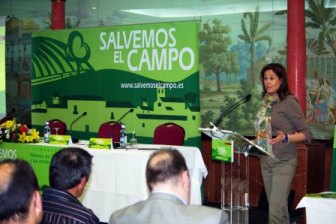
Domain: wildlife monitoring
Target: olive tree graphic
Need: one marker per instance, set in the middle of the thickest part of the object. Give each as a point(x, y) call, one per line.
point(77, 50)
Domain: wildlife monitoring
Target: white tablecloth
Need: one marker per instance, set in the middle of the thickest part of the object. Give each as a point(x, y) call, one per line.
point(319, 210)
point(118, 177)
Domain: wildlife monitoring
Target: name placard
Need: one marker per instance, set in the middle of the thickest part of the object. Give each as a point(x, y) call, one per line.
point(100, 143)
point(59, 139)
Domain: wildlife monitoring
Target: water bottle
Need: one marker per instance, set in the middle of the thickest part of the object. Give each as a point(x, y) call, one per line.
point(122, 136)
point(125, 136)
point(46, 132)
point(112, 142)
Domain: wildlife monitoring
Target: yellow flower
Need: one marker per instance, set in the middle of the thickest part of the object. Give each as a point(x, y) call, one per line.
point(30, 138)
point(22, 137)
point(35, 134)
point(9, 125)
point(19, 132)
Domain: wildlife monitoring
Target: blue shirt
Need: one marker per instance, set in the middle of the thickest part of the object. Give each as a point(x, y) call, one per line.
point(62, 207)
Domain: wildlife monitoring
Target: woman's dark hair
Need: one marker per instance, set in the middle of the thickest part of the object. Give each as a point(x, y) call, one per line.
point(68, 166)
point(281, 72)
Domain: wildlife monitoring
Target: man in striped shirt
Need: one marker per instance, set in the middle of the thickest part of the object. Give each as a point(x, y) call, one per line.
point(69, 172)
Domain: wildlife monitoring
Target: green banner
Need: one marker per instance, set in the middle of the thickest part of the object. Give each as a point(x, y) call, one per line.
point(38, 156)
point(147, 72)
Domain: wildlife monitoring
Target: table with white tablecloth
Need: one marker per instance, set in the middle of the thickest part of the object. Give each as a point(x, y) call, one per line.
point(118, 177)
point(319, 209)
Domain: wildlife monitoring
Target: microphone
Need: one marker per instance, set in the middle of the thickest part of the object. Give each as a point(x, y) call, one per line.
point(230, 109)
point(129, 111)
point(72, 123)
point(248, 98)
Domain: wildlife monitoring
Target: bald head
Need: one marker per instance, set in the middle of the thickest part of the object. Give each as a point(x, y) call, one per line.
point(6, 173)
point(163, 166)
point(18, 184)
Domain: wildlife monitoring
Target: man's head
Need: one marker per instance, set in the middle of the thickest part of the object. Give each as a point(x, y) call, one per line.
point(167, 171)
point(70, 169)
point(20, 199)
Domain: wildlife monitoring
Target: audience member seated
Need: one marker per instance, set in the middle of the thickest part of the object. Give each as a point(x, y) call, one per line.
point(20, 198)
point(169, 183)
point(69, 172)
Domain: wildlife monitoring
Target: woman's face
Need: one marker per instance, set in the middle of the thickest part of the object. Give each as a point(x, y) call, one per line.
point(271, 82)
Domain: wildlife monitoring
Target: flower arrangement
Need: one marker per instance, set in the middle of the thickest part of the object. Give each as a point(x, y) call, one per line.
point(12, 131)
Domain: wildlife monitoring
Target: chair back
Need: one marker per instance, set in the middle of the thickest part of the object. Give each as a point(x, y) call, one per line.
point(169, 134)
point(56, 124)
point(110, 129)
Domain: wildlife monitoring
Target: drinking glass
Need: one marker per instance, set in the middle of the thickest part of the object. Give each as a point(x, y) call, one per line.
point(56, 130)
point(133, 140)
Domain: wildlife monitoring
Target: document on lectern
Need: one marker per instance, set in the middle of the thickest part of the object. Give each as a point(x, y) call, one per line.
point(242, 144)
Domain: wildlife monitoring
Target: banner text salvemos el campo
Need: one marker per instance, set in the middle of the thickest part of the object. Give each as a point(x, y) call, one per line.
point(153, 49)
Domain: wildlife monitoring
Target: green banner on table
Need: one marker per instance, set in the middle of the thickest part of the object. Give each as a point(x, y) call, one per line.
point(39, 156)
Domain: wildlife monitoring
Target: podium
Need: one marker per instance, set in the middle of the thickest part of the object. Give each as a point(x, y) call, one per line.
point(235, 174)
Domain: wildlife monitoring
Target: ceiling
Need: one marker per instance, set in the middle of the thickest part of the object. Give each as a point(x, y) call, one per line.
point(152, 8)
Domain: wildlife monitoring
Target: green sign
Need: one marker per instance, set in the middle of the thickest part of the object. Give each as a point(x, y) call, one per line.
point(149, 72)
point(222, 150)
point(39, 156)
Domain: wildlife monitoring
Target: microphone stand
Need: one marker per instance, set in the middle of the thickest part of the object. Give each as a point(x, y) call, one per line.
point(230, 109)
point(129, 111)
point(73, 139)
point(117, 144)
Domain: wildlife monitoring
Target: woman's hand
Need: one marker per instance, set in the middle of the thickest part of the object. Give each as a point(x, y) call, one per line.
point(279, 138)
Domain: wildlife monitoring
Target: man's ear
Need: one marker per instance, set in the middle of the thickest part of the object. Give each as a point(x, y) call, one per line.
point(82, 182)
point(37, 206)
point(186, 180)
point(186, 186)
